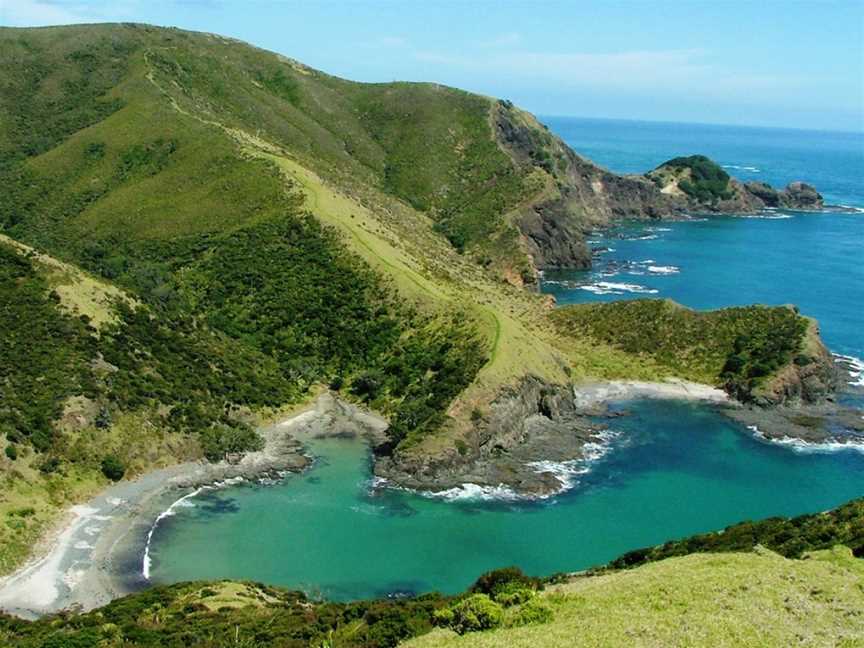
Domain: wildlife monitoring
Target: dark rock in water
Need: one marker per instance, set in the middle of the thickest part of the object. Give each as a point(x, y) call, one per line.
point(797, 195)
point(575, 196)
point(812, 424)
point(764, 192)
point(812, 377)
point(800, 195)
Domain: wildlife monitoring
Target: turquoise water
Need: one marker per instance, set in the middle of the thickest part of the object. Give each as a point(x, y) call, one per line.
point(673, 469)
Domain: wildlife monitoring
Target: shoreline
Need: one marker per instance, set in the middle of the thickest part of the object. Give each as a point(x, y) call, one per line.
point(100, 550)
point(96, 553)
point(593, 394)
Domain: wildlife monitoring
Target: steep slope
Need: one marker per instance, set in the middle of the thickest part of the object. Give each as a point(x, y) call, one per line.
point(726, 600)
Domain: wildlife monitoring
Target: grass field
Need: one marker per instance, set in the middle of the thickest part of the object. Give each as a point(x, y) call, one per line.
point(757, 599)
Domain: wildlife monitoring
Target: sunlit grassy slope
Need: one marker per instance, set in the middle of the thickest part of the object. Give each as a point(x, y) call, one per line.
point(755, 599)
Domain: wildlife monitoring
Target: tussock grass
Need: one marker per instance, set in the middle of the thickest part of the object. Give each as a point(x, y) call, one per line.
point(757, 599)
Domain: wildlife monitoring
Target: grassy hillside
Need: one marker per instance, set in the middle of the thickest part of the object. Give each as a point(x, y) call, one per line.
point(701, 600)
point(745, 598)
point(735, 348)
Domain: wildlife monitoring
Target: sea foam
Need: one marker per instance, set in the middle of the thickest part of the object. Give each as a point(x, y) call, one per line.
point(741, 167)
point(799, 445)
point(183, 502)
point(855, 367)
point(613, 288)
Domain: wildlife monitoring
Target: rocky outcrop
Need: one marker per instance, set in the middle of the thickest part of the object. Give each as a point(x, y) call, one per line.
point(531, 422)
point(796, 195)
point(810, 378)
point(585, 196)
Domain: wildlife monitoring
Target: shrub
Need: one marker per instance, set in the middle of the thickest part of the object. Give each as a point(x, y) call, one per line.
point(507, 579)
point(222, 439)
point(477, 612)
point(11, 452)
point(514, 594)
point(49, 465)
point(531, 612)
point(368, 384)
point(709, 182)
point(113, 468)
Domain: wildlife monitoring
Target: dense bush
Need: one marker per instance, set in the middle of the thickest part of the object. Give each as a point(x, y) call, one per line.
point(472, 614)
point(504, 580)
point(221, 440)
point(45, 354)
point(708, 182)
point(177, 616)
point(113, 468)
point(789, 537)
point(735, 348)
point(533, 611)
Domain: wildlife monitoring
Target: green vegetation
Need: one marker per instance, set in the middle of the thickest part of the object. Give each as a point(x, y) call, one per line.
point(755, 599)
point(745, 596)
point(736, 348)
point(113, 468)
point(45, 354)
point(707, 181)
point(472, 614)
point(228, 614)
point(789, 537)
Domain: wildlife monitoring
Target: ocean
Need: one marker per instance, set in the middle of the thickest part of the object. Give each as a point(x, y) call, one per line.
point(670, 469)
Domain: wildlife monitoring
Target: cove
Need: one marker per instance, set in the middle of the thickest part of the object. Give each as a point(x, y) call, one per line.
point(674, 469)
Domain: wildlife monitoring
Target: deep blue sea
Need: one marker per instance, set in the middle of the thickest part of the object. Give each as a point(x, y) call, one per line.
point(831, 161)
point(815, 261)
point(671, 469)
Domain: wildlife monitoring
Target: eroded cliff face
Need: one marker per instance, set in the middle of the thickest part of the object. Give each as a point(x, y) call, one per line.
point(530, 422)
point(582, 196)
point(810, 378)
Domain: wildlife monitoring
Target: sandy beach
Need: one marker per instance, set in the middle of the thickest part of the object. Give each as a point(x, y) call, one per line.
point(96, 554)
point(588, 395)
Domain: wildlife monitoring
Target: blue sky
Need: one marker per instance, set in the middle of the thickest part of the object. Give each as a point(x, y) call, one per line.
point(793, 63)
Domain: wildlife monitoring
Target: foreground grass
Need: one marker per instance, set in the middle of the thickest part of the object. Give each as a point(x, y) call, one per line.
point(758, 599)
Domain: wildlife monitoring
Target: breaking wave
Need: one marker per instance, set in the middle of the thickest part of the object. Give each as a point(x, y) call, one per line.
point(799, 445)
point(663, 270)
point(476, 493)
point(768, 215)
point(741, 167)
point(614, 288)
point(566, 472)
point(182, 502)
point(855, 367)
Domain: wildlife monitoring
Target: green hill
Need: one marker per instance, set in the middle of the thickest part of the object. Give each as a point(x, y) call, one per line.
point(198, 234)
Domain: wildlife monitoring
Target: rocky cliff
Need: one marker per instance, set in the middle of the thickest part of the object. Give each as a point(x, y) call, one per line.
point(533, 421)
point(581, 196)
point(810, 378)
